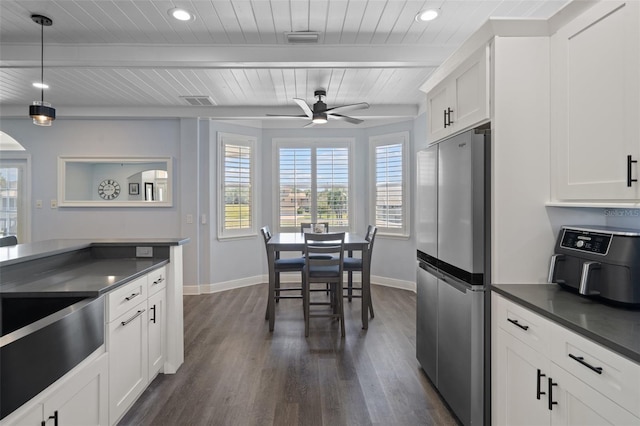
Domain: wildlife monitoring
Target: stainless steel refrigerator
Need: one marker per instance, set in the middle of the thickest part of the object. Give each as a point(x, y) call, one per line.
point(452, 271)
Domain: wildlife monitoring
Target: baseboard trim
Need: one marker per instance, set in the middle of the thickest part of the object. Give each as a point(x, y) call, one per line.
point(194, 290)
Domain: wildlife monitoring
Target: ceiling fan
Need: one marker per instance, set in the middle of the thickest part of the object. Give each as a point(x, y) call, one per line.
point(320, 114)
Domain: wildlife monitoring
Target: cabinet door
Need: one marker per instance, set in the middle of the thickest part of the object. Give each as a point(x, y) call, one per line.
point(471, 88)
point(595, 101)
point(517, 383)
point(128, 360)
point(157, 317)
point(438, 101)
point(82, 401)
point(579, 404)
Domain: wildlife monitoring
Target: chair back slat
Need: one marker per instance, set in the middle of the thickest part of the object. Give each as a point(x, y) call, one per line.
point(324, 250)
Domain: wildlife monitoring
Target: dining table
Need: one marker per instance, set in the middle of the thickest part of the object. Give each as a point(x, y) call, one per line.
point(294, 242)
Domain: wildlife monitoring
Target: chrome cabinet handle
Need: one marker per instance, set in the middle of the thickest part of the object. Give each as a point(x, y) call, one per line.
point(630, 162)
point(158, 281)
point(581, 360)
point(516, 323)
point(153, 308)
point(136, 315)
point(133, 295)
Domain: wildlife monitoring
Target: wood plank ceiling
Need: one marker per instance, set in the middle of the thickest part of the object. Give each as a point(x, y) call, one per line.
point(102, 55)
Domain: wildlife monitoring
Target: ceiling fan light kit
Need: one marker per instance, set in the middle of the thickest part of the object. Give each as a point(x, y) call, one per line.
point(42, 112)
point(320, 114)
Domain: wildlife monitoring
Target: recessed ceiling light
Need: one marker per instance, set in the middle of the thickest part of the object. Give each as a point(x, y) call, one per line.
point(427, 15)
point(40, 85)
point(181, 14)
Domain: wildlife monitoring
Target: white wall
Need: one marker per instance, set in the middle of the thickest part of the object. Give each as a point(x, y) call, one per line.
point(142, 138)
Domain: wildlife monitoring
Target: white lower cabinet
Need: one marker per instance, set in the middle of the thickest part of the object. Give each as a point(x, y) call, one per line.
point(136, 340)
point(545, 374)
point(78, 399)
point(157, 332)
point(128, 360)
point(521, 377)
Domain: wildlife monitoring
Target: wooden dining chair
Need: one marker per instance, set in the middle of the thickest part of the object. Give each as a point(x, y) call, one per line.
point(293, 264)
point(324, 263)
point(354, 264)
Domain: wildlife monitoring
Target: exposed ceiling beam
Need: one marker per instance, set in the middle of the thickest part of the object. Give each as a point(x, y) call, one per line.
point(189, 56)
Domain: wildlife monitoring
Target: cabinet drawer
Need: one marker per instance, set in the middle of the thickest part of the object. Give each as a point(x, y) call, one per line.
point(523, 324)
point(126, 297)
point(157, 280)
point(618, 378)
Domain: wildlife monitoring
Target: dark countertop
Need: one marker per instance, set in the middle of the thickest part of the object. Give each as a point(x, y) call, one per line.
point(615, 328)
point(87, 279)
point(40, 249)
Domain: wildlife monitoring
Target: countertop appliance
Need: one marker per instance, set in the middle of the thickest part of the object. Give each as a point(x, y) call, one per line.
point(598, 261)
point(452, 274)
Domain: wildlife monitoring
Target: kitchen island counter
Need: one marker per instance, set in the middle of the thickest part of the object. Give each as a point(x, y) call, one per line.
point(616, 328)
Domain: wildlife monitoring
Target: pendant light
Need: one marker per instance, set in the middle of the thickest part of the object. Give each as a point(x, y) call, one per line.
point(42, 112)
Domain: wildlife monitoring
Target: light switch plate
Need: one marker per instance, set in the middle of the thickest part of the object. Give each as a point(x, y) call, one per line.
point(144, 251)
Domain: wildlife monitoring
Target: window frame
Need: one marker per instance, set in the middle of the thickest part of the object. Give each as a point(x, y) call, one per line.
point(402, 138)
point(234, 139)
point(314, 144)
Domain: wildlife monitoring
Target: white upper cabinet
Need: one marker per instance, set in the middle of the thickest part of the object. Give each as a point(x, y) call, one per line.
point(595, 105)
point(461, 100)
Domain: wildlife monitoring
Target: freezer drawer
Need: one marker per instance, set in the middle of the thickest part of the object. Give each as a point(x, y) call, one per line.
point(427, 321)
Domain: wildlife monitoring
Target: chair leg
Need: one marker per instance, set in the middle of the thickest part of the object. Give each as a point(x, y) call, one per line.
point(350, 286)
point(370, 305)
point(341, 308)
point(277, 293)
point(305, 289)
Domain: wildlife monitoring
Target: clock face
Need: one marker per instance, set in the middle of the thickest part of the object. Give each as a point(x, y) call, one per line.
point(109, 189)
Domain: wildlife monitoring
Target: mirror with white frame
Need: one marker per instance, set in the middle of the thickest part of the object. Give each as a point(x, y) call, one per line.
point(115, 182)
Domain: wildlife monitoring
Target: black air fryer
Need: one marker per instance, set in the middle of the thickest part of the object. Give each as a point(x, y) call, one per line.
point(598, 261)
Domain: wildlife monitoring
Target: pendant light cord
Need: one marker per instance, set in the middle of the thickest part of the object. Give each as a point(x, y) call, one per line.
point(42, 61)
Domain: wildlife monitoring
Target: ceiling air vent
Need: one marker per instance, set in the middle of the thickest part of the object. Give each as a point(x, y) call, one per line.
point(198, 100)
point(302, 37)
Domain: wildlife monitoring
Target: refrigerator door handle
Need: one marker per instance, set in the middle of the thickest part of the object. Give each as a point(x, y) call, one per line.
point(455, 284)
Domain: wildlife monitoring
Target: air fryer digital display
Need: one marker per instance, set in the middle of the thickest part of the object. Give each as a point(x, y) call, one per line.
point(591, 242)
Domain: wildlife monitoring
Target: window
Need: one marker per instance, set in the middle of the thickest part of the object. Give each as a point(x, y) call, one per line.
point(390, 183)
point(14, 190)
point(314, 183)
point(236, 198)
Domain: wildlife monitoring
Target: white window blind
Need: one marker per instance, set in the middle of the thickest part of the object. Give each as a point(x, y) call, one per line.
point(236, 200)
point(313, 185)
point(389, 188)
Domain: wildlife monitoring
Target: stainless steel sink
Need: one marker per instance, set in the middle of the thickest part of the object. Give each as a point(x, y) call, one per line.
point(42, 339)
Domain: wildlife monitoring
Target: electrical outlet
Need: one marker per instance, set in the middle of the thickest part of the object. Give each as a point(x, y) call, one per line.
point(54, 204)
point(203, 219)
point(189, 219)
point(144, 251)
point(38, 204)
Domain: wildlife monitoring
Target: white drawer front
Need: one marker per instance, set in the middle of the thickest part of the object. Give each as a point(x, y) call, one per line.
point(618, 377)
point(523, 324)
point(157, 280)
point(126, 297)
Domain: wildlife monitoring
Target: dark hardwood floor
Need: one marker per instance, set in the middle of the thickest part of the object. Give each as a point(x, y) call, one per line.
point(237, 373)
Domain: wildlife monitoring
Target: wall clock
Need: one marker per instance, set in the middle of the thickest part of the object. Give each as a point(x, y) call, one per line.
point(109, 189)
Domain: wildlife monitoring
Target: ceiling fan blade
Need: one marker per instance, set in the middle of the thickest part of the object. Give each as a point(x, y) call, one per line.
point(288, 116)
point(345, 118)
point(311, 124)
point(345, 108)
point(304, 107)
